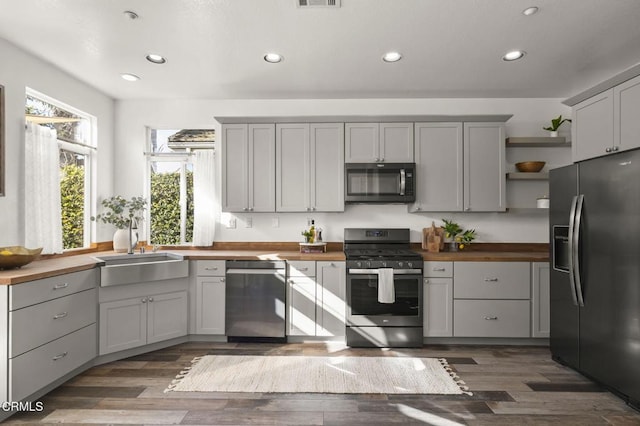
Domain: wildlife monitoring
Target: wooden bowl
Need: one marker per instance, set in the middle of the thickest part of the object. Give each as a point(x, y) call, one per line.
point(17, 256)
point(530, 166)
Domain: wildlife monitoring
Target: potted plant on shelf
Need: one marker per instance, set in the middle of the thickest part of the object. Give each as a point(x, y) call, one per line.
point(555, 125)
point(122, 213)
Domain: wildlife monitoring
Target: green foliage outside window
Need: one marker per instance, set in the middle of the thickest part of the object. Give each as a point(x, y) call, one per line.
point(165, 208)
point(72, 200)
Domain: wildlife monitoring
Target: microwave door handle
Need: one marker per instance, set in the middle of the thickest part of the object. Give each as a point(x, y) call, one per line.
point(572, 245)
point(576, 250)
point(403, 181)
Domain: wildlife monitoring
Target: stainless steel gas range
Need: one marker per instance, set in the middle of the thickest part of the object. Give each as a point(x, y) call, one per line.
point(384, 288)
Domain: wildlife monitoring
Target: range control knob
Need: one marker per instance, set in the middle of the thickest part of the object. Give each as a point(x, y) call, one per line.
point(368, 264)
point(384, 264)
point(400, 264)
point(359, 264)
point(410, 264)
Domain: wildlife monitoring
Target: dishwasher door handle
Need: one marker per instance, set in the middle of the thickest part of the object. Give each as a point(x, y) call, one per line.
point(255, 271)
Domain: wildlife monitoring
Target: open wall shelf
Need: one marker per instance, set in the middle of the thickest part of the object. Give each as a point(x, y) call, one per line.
point(532, 142)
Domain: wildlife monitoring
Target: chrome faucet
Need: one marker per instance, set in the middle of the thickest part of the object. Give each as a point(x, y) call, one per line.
point(132, 245)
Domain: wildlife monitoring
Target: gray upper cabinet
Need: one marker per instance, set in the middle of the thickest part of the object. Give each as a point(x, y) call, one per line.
point(439, 167)
point(310, 167)
point(484, 167)
point(379, 142)
point(627, 104)
point(607, 123)
point(248, 167)
point(592, 127)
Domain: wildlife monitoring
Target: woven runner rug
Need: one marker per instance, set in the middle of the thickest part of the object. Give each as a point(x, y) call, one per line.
point(305, 374)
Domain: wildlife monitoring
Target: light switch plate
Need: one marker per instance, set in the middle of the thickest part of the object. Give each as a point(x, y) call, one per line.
point(232, 223)
point(248, 222)
point(275, 222)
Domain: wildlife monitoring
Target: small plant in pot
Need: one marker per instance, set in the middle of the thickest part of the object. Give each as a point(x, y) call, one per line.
point(555, 125)
point(451, 230)
point(465, 238)
point(121, 213)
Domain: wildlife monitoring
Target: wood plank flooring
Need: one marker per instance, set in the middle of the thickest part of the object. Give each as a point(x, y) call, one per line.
point(510, 385)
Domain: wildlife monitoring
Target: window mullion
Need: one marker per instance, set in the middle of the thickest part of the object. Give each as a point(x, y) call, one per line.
point(183, 202)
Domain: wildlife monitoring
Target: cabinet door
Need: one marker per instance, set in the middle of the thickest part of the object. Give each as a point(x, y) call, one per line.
point(627, 105)
point(592, 127)
point(396, 142)
point(292, 167)
point(262, 168)
point(362, 142)
point(540, 300)
point(301, 306)
point(123, 324)
point(167, 316)
point(439, 172)
point(210, 305)
point(438, 307)
point(330, 297)
point(484, 170)
point(235, 167)
point(327, 167)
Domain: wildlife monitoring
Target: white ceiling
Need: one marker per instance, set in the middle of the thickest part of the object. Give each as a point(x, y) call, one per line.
point(451, 48)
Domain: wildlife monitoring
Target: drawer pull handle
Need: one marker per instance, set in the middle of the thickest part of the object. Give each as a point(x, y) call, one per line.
point(215, 268)
point(491, 280)
point(491, 318)
point(426, 280)
point(439, 269)
point(60, 356)
point(60, 315)
point(303, 269)
point(60, 286)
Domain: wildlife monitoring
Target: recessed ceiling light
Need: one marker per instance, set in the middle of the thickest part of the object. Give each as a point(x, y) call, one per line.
point(130, 77)
point(156, 59)
point(130, 15)
point(514, 55)
point(530, 11)
point(392, 57)
point(273, 58)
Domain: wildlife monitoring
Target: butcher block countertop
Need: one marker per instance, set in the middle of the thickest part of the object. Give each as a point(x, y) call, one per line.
point(480, 252)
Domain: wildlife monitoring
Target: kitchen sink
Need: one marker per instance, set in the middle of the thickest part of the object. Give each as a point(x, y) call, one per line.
point(138, 268)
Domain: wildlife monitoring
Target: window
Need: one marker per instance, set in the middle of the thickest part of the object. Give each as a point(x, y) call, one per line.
point(170, 185)
point(75, 132)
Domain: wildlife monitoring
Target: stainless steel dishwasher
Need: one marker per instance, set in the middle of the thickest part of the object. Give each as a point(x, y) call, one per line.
point(255, 300)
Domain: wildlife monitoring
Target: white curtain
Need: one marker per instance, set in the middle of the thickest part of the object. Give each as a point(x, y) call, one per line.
point(43, 221)
point(205, 204)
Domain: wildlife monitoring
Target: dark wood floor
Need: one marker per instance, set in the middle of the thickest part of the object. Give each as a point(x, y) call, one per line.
point(510, 385)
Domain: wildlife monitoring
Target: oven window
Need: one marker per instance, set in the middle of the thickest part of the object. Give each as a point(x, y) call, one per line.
point(364, 297)
point(367, 181)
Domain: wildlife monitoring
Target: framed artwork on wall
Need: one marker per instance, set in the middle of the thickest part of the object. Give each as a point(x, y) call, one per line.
point(1, 140)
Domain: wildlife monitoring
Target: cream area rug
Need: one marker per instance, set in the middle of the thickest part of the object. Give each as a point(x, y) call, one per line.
point(304, 374)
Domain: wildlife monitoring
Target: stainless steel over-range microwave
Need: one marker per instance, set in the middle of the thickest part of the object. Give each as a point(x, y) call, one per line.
point(380, 183)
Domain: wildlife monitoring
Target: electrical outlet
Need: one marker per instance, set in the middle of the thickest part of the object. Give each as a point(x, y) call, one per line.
point(248, 222)
point(232, 223)
point(275, 222)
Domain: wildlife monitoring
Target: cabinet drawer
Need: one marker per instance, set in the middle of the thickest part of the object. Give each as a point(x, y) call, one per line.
point(302, 268)
point(491, 318)
point(35, 369)
point(492, 280)
point(32, 292)
point(438, 269)
point(210, 268)
point(38, 324)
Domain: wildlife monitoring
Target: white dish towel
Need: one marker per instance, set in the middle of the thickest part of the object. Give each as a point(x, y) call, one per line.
point(386, 289)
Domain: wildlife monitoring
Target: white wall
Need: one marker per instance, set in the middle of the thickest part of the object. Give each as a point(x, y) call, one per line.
point(529, 115)
point(18, 71)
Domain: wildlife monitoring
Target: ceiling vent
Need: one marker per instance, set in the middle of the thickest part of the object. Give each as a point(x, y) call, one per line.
point(318, 3)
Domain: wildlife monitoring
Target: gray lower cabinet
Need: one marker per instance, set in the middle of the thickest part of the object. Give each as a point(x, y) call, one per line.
point(301, 298)
point(143, 319)
point(330, 299)
point(492, 299)
point(438, 299)
point(540, 300)
point(210, 297)
point(51, 327)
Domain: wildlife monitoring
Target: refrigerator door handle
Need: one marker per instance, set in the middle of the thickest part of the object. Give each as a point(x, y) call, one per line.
point(572, 249)
point(576, 250)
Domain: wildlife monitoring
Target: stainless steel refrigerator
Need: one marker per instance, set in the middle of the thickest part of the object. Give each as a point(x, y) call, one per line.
point(594, 217)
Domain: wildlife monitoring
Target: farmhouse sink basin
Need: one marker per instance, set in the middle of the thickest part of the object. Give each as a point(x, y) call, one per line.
point(138, 268)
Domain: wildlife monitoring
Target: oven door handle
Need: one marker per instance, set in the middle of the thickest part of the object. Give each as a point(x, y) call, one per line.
point(375, 271)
